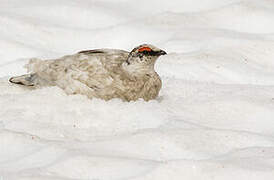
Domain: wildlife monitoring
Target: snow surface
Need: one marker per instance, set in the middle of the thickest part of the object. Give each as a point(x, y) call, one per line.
point(214, 118)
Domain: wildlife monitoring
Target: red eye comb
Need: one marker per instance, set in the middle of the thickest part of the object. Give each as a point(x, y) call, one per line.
point(144, 49)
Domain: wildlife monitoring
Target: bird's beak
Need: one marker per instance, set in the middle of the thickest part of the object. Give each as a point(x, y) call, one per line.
point(161, 52)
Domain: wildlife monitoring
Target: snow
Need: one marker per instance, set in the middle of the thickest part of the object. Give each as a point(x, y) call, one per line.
point(212, 120)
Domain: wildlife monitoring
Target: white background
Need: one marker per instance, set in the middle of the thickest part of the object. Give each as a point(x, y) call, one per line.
point(214, 118)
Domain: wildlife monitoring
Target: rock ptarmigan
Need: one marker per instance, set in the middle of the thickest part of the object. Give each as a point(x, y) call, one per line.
point(99, 73)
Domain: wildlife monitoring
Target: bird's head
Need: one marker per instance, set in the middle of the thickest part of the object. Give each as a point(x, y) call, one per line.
point(142, 59)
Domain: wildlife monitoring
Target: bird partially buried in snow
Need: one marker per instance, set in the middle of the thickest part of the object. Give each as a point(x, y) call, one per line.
point(99, 73)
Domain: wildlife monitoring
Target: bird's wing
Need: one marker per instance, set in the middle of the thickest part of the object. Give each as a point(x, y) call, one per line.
point(110, 58)
point(97, 69)
point(104, 52)
point(94, 51)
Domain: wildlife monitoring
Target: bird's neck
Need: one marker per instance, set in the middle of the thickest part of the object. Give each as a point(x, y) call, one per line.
point(138, 70)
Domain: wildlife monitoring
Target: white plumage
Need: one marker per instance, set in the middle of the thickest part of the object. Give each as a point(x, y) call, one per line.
point(101, 73)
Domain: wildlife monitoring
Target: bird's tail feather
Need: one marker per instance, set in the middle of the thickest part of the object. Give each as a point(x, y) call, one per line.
point(26, 79)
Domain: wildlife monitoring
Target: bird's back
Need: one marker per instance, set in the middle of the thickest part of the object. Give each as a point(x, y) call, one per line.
point(82, 73)
point(109, 57)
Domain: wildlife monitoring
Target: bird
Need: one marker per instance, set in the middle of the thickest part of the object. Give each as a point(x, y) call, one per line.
point(99, 73)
